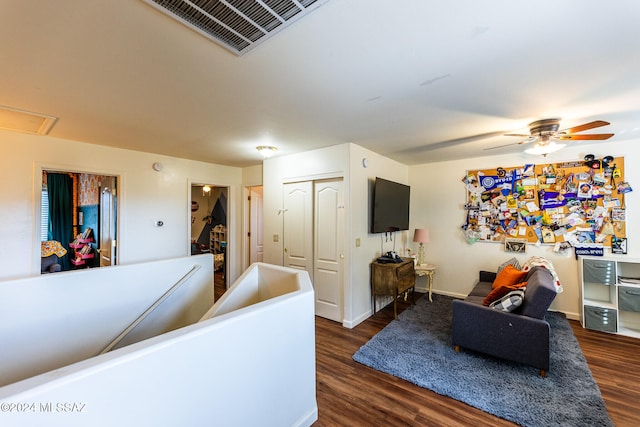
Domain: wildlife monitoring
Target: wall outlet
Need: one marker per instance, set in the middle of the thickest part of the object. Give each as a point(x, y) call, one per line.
point(357, 242)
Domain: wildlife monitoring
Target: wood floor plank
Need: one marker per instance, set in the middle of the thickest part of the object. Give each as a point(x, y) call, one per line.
point(351, 394)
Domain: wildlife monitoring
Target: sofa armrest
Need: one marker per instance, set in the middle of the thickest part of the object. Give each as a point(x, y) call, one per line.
point(506, 335)
point(487, 276)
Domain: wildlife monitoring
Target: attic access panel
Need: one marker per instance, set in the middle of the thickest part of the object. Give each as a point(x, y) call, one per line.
point(237, 25)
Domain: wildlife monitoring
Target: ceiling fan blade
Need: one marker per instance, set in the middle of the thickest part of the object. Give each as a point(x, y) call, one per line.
point(593, 136)
point(586, 126)
point(517, 134)
point(508, 145)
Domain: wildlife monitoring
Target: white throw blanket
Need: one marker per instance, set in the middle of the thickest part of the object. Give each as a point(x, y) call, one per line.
point(535, 261)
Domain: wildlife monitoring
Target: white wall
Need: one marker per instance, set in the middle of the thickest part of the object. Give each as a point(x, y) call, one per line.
point(437, 199)
point(252, 176)
point(371, 245)
point(144, 197)
point(346, 161)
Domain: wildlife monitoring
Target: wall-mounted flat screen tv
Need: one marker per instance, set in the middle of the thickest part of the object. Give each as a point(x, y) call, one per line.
point(390, 208)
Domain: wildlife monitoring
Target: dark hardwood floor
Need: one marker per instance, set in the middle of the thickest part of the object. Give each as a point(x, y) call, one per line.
point(351, 394)
point(218, 285)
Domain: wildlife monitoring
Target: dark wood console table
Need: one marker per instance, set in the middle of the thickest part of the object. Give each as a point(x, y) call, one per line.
point(392, 279)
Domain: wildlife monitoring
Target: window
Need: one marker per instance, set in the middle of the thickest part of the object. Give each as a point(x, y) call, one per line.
point(44, 215)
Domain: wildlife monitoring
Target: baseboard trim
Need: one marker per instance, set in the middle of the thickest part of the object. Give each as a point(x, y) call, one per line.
point(350, 324)
point(308, 419)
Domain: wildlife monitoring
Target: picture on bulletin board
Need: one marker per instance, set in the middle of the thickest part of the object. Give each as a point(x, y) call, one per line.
point(563, 204)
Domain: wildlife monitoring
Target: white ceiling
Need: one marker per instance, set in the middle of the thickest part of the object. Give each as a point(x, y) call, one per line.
point(415, 80)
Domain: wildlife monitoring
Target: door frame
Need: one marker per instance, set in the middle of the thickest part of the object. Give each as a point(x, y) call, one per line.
point(38, 168)
point(246, 223)
point(228, 260)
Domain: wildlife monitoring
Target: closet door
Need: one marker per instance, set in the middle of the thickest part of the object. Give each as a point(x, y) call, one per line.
point(256, 244)
point(329, 251)
point(298, 226)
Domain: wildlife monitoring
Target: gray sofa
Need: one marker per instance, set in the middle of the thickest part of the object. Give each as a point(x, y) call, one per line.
point(520, 336)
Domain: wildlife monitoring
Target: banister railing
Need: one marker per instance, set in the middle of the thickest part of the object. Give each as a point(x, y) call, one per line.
point(149, 310)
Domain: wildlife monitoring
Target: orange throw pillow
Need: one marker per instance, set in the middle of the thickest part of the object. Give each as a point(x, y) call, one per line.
point(501, 291)
point(508, 276)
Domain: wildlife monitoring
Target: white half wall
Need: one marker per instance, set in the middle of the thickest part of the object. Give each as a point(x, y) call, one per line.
point(50, 321)
point(249, 362)
point(438, 197)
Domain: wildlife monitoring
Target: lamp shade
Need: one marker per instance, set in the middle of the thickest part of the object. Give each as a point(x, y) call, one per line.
point(421, 235)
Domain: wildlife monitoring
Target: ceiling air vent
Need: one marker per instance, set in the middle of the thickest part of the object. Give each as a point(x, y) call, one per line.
point(25, 121)
point(238, 25)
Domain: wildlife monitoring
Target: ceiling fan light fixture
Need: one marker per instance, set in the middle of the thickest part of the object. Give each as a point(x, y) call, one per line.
point(545, 133)
point(543, 150)
point(544, 139)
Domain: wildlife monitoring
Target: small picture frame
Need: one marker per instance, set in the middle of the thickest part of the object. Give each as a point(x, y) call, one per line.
point(584, 190)
point(618, 214)
point(515, 245)
point(619, 245)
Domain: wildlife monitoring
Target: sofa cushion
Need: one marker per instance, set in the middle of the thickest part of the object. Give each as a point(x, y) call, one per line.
point(539, 295)
point(501, 291)
point(481, 289)
point(474, 299)
point(509, 276)
point(509, 302)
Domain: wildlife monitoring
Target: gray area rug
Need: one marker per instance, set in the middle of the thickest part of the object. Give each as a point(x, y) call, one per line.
point(417, 347)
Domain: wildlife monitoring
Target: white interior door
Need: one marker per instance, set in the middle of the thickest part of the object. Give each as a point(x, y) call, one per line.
point(298, 226)
point(329, 251)
point(107, 223)
point(256, 232)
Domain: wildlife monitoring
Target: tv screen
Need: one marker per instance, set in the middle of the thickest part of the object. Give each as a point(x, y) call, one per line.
point(390, 206)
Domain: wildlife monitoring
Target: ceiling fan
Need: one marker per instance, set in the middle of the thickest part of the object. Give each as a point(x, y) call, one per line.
point(545, 132)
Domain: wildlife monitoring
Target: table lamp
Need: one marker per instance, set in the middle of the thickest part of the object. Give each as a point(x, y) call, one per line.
point(421, 236)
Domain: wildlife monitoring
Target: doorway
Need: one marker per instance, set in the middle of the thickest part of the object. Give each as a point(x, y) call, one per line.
point(255, 235)
point(209, 229)
point(78, 220)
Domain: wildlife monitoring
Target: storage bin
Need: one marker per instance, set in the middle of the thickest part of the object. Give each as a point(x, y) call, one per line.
point(601, 319)
point(629, 298)
point(599, 271)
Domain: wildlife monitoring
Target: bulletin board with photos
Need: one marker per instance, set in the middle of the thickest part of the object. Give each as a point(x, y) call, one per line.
point(564, 204)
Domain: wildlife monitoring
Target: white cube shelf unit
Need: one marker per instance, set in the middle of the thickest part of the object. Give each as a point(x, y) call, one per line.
point(610, 293)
